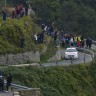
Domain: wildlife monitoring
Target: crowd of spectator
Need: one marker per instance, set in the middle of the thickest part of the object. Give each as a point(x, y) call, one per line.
point(65, 39)
point(39, 38)
point(7, 79)
point(19, 11)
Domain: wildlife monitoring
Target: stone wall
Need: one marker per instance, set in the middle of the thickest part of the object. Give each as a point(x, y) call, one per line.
point(56, 57)
point(19, 58)
point(30, 92)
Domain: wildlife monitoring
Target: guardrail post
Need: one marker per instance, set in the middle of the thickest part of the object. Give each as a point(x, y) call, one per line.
point(84, 57)
point(40, 64)
point(71, 60)
point(56, 62)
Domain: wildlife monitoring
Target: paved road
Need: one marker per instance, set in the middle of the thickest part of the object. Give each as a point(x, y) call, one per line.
point(80, 60)
point(6, 94)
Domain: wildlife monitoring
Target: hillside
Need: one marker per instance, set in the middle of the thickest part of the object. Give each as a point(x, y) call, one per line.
point(12, 30)
point(73, 16)
point(75, 80)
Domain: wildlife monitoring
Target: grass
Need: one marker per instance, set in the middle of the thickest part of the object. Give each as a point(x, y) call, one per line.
point(94, 50)
point(74, 80)
point(12, 30)
point(51, 51)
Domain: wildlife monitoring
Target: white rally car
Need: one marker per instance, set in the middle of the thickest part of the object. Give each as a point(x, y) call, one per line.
point(71, 53)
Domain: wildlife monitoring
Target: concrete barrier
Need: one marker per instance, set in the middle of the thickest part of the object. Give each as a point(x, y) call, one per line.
point(30, 92)
point(24, 91)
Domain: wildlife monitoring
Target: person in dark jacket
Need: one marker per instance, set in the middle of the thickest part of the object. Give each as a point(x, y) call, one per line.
point(1, 83)
point(90, 43)
point(4, 15)
point(26, 9)
point(9, 81)
point(87, 42)
point(42, 37)
point(22, 42)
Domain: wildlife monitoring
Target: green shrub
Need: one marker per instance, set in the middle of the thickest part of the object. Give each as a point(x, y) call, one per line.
point(74, 80)
point(12, 30)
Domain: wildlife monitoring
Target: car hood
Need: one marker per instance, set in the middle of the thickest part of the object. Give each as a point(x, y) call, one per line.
point(70, 53)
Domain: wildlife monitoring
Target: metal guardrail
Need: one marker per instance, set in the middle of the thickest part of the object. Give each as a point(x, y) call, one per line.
point(19, 86)
point(25, 91)
point(86, 51)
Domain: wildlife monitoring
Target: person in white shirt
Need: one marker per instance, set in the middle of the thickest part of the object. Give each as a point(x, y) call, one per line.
point(71, 42)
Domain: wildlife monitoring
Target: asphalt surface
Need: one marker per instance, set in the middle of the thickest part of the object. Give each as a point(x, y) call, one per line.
point(83, 58)
point(6, 94)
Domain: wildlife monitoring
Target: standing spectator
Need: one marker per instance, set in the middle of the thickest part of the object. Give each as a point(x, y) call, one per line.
point(78, 43)
point(23, 12)
point(26, 9)
point(1, 83)
point(13, 14)
point(82, 38)
point(48, 30)
point(82, 43)
point(20, 8)
point(87, 42)
point(38, 38)
point(35, 39)
point(55, 37)
point(67, 39)
point(90, 43)
point(51, 30)
point(18, 12)
point(57, 42)
point(9, 81)
point(75, 40)
point(63, 42)
point(71, 42)
point(43, 26)
point(4, 15)
point(60, 38)
point(42, 37)
point(22, 42)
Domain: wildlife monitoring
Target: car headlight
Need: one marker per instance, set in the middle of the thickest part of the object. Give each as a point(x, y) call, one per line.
point(66, 54)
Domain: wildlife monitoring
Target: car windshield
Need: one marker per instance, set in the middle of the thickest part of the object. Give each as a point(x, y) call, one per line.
point(71, 50)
